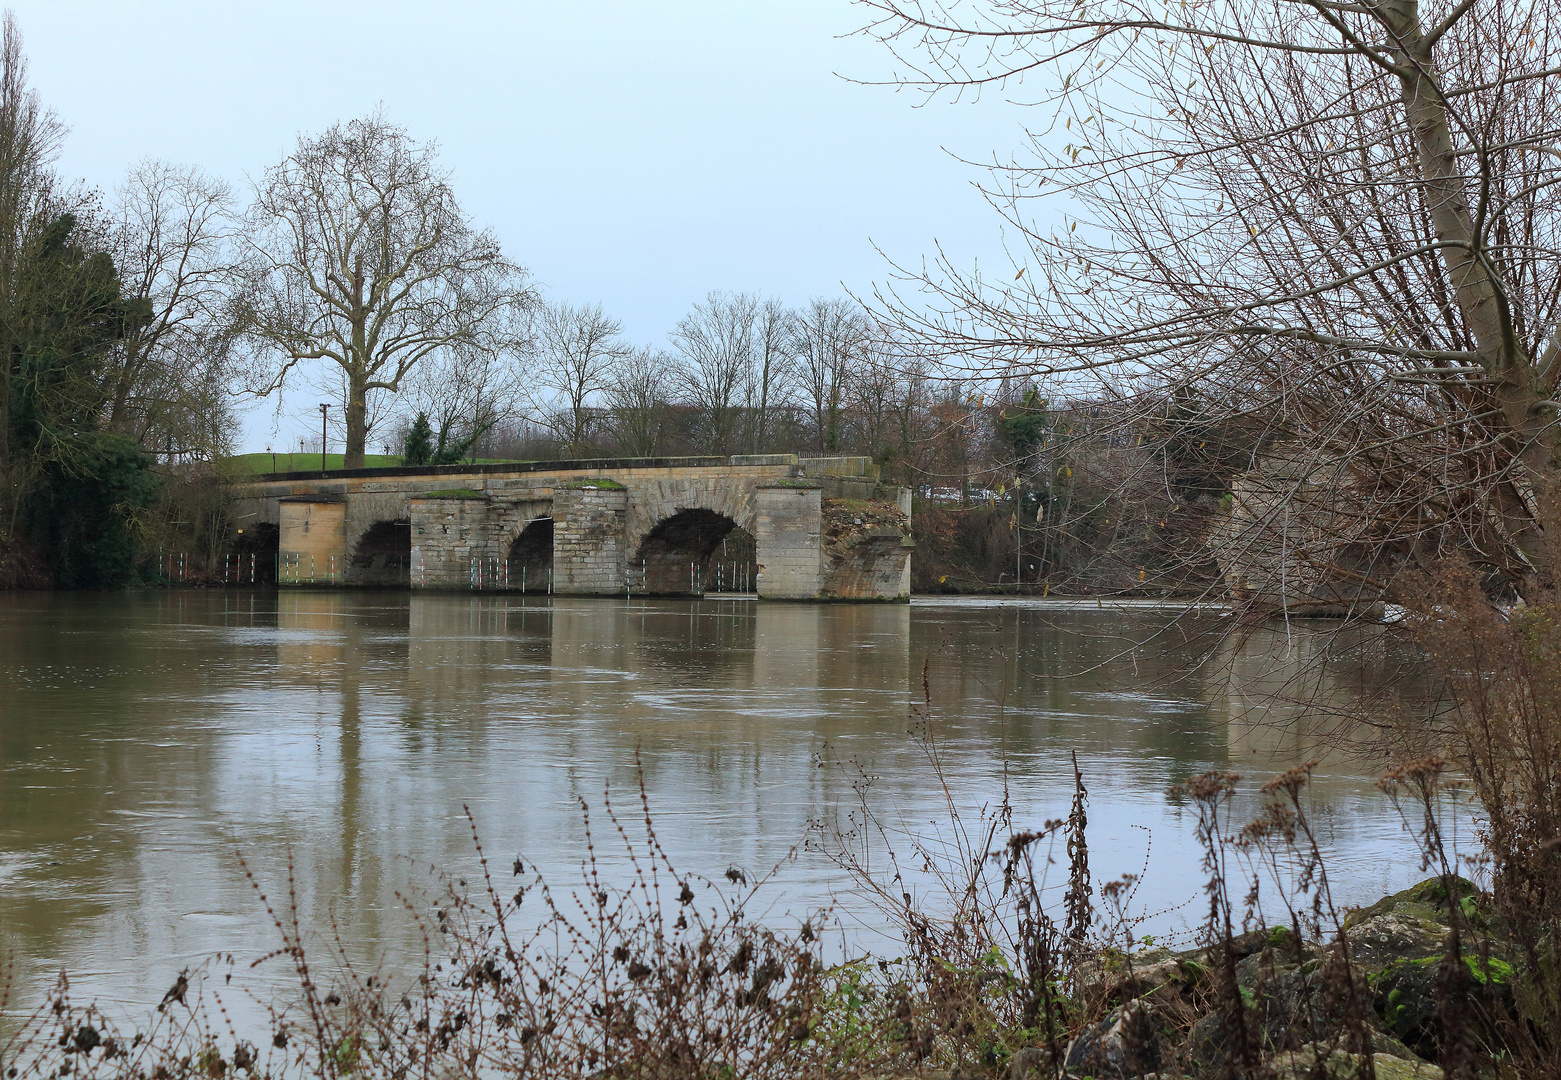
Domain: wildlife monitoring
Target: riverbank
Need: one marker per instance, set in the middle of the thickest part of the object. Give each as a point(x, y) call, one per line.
point(1396, 981)
point(1266, 1002)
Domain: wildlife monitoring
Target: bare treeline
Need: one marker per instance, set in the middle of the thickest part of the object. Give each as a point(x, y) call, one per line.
point(739, 374)
point(349, 273)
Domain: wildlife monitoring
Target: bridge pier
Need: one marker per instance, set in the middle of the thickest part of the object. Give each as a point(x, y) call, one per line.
point(312, 539)
point(788, 532)
point(453, 541)
point(588, 538)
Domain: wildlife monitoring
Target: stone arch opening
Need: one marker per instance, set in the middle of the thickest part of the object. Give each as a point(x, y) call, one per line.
point(383, 556)
point(531, 557)
point(254, 553)
point(733, 564)
point(694, 552)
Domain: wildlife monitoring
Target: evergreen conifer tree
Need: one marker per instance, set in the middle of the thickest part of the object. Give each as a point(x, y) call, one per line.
point(419, 446)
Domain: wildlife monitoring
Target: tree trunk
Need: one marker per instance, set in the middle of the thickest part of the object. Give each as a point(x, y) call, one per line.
point(1478, 294)
point(357, 422)
point(123, 385)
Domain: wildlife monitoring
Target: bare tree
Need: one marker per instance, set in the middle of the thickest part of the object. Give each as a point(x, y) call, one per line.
point(465, 393)
point(829, 338)
point(911, 421)
point(1340, 218)
point(772, 361)
point(872, 391)
point(638, 399)
point(716, 341)
point(577, 348)
point(356, 252)
point(169, 388)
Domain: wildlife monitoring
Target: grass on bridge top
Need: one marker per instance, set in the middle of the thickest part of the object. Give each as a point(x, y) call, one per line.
point(256, 464)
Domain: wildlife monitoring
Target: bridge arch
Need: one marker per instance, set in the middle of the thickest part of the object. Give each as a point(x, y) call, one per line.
point(531, 556)
point(693, 550)
point(382, 556)
point(254, 552)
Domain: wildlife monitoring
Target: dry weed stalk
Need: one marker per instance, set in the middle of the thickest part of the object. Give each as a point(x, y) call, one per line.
point(1502, 733)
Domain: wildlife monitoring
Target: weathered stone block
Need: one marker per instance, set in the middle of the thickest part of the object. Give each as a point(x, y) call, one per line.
point(786, 532)
point(312, 542)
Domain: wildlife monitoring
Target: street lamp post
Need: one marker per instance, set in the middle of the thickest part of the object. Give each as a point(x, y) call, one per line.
point(324, 410)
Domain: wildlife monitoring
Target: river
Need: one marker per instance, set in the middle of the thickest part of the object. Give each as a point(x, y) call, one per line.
point(150, 739)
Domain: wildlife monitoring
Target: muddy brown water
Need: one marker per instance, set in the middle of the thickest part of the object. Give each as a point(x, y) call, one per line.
point(148, 739)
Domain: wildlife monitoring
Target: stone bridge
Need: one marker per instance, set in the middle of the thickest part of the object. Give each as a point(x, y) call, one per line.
point(779, 526)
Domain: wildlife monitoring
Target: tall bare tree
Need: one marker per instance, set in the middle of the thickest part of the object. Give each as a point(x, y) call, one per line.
point(716, 341)
point(1339, 217)
point(1340, 220)
point(356, 252)
point(771, 362)
point(577, 349)
point(638, 399)
point(169, 387)
point(30, 140)
point(872, 391)
point(465, 395)
point(830, 335)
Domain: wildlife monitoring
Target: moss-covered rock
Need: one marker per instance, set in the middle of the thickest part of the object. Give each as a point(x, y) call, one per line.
point(1338, 1065)
point(1395, 936)
point(1157, 975)
point(1407, 995)
point(1289, 999)
point(1426, 900)
point(1387, 987)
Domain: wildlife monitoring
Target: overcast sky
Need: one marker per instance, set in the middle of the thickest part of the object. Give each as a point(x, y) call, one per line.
point(632, 153)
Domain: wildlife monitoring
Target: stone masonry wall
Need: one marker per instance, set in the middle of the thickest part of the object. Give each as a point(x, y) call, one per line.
point(588, 540)
point(866, 550)
point(787, 533)
point(602, 512)
point(312, 543)
point(455, 543)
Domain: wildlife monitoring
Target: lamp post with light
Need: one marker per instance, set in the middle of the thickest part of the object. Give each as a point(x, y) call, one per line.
point(324, 410)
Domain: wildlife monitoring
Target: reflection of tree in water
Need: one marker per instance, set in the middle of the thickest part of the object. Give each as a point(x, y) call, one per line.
point(346, 737)
point(694, 643)
point(1096, 680)
point(109, 755)
point(464, 652)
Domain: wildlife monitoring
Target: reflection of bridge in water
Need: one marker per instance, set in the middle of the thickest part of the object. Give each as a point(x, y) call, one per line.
point(776, 525)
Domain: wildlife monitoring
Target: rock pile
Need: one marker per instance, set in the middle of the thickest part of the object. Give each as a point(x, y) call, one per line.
point(1267, 1004)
